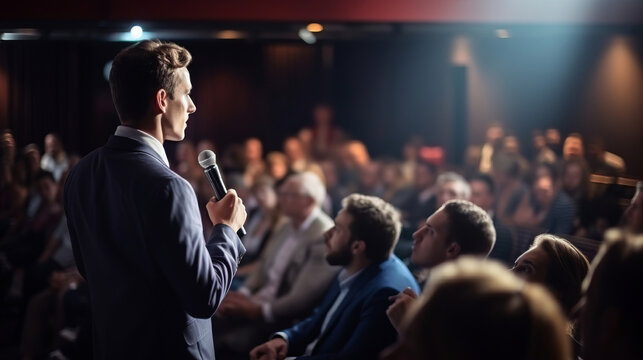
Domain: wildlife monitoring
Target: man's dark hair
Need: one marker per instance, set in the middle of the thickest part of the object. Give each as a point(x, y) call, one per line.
point(470, 227)
point(487, 180)
point(139, 71)
point(375, 222)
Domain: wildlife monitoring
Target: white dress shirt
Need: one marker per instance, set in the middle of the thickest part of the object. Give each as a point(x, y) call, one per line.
point(142, 136)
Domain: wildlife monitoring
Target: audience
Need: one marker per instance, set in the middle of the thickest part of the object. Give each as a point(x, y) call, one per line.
point(457, 228)
point(472, 309)
point(611, 323)
point(274, 287)
point(483, 195)
point(351, 322)
point(55, 159)
point(291, 276)
point(556, 264)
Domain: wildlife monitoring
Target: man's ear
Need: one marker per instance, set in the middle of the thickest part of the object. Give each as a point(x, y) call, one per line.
point(358, 246)
point(161, 100)
point(453, 250)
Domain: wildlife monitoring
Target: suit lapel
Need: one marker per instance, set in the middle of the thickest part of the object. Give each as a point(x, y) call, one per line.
point(361, 282)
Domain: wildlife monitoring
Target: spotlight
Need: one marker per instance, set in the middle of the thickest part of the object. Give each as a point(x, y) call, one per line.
point(314, 27)
point(307, 36)
point(136, 32)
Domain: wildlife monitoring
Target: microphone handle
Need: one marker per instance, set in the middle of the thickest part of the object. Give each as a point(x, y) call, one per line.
point(214, 176)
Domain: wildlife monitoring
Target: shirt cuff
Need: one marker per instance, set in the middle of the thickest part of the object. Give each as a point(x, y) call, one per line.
point(266, 310)
point(280, 334)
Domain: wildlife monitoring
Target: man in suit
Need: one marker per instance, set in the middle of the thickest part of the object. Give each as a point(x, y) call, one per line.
point(135, 227)
point(351, 321)
point(291, 277)
point(457, 228)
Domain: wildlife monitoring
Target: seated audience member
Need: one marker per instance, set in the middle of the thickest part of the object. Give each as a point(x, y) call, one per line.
point(422, 200)
point(611, 321)
point(595, 214)
point(573, 147)
point(253, 160)
point(290, 278)
point(492, 146)
point(633, 217)
point(602, 161)
point(369, 181)
point(351, 322)
point(511, 147)
point(452, 186)
point(55, 159)
point(262, 220)
point(483, 195)
point(393, 182)
point(549, 208)
point(542, 152)
point(277, 164)
point(457, 228)
point(471, 309)
point(556, 264)
point(512, 192)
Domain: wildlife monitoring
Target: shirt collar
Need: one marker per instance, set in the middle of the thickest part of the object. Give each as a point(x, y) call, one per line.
point(345, 280)
point(141, 136)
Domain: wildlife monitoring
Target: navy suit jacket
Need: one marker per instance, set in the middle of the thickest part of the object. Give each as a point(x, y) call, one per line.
point(359, 328)
point(136, 232)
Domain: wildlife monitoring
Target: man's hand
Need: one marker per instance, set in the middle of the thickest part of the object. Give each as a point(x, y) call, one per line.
point(238, 305)
point(401, 304)
point(229, 210)
point(275, 349)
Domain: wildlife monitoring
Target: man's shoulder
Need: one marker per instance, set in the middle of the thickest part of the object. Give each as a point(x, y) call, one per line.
point(393, 273)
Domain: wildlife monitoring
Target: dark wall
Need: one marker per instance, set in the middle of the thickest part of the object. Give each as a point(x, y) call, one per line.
point(385, 90)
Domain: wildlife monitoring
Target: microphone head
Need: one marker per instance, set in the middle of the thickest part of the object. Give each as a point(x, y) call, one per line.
point(207, 158)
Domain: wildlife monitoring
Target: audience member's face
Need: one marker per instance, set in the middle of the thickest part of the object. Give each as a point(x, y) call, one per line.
point(573, 148)
point(52, 145)
point(291, 200)
point(338, 240)
point(179, 107)
point(424, 178)
point(266, 196)
point(511, 145)
point(322, 115)
point(369, 176)
point(634, 214)
point(293, 149)
point(544, 191)
point(278, 167)
point(253, 150)
point(7, 142)
point(494, 134)
point(539, 142)
point(532, 265)
point(480, 195)
point(552, 136)
point(450, 190)
point(572, 177)
point(430, 241)
point(48, 190)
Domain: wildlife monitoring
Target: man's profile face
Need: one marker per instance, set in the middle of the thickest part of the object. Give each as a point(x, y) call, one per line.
point(338, 240)
point(180, 106)
point(430, 241)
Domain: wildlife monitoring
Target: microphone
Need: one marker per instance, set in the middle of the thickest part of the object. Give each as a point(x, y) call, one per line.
point(208, 161)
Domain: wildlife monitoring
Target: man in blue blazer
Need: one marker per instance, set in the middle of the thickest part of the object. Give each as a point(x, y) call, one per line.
point(351, 321)
point(135, 226)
